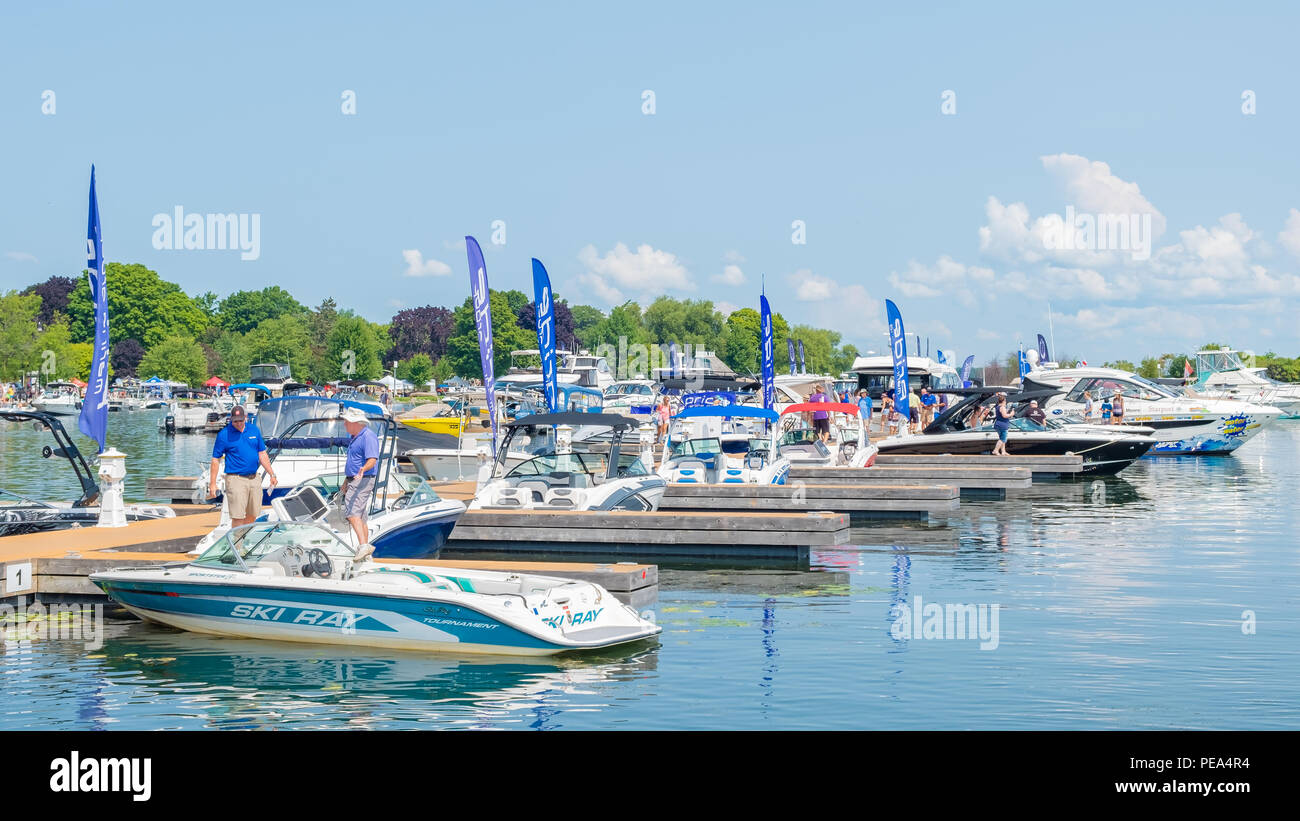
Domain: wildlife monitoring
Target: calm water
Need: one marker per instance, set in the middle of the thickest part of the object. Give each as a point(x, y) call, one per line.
point(1120, 606)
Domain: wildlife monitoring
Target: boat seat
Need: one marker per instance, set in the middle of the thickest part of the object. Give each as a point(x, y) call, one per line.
point(536, 489)
point(562, 497)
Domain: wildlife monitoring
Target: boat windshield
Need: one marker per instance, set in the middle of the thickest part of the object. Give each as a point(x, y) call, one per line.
point(251, 544)
point(698, 447)
point(588, 463)
point(9, 499)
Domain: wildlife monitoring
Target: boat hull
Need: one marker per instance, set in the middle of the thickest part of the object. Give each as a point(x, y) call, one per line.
point(337, 617)
point(1099, 459)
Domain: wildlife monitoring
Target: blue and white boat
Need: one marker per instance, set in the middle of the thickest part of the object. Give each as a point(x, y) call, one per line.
point(724, 444)
point(296, 581)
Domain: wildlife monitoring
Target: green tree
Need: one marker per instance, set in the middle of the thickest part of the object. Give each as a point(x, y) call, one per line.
point(442, 370)
point(1149, 368)
point(623, 321)
point(1175, 367)
point(1121, 365)
point(507, 336)
point(585, 319)
point(417, 370)
point(351, 352)
point(820, 347)
point(243, 311)
point(233, 356)
point(684, 321)
point(141, 305)
point(286, 338)
point(18, 333)
point(69, 359)
point(744, 331)
point(177, 358)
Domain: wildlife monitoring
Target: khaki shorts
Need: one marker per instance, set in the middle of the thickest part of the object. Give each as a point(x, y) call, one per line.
point(243, 496)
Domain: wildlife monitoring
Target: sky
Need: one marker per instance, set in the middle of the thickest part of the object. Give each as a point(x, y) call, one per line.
point(836, 154)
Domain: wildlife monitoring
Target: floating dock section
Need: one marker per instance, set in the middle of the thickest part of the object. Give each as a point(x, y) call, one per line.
point(1042, 467)
point(691, 534)
point(979, 482)
point(858, 499)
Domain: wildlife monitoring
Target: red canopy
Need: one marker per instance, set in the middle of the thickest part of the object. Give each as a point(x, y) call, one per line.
point(832, 407)
point(77, 382)
point(216, 382)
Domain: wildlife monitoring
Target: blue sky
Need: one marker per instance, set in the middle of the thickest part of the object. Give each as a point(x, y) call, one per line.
point(764, 114)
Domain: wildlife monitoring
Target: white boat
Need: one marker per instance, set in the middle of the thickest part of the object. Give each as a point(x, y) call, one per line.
point(1182, 424)
point(723, 444)
point(1105, 449)
point(296, 581)
point(875, 374)
point(195, 413)
point(584, 369)
point(848, 445)
point(1223, 375)
point(607, 475)
point(59, 399)
point(631, 397)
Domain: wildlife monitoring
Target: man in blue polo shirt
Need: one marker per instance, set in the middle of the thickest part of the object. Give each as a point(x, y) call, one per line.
point(361, 468)
point(243, 449)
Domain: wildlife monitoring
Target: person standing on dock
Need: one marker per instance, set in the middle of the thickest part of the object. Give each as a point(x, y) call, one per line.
point(864, 409)
point(1001, 424)
point(661, 416)
point(362, 468)
point(243, 449)
point(821, 419)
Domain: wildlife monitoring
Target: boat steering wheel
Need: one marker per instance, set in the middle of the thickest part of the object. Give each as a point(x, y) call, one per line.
point(318, 563)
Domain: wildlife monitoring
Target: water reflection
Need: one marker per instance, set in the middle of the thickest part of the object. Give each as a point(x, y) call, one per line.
point(245, 684)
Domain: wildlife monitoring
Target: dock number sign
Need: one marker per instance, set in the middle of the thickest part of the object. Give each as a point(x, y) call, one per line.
point(18, 577)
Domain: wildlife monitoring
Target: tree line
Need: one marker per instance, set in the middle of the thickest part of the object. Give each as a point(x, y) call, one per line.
point(156, 329)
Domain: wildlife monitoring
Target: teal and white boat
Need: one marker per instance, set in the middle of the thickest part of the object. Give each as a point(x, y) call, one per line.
point(296, 581)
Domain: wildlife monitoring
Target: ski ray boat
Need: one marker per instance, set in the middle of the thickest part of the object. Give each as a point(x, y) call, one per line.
point(296, 581)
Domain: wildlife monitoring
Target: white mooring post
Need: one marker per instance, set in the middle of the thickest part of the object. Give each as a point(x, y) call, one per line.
point(112, 473)
point(647, 434)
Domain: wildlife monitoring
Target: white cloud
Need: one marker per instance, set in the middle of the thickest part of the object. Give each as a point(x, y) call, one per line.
point(21, 256)
point(733, 256)
point(946, 278)
point(808, 287)
point(1290, 235)
point(418, 266)
point(731, 275)
point(644, 273)
point(1095, 190)
point(725, 308)
point(986, 335)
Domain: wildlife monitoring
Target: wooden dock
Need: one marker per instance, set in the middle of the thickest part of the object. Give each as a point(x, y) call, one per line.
point(1042, 467)
point(858, 499)
point(981, 482)
point(692, 534)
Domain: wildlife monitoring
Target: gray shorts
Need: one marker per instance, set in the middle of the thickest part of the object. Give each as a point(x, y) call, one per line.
point(356, 502)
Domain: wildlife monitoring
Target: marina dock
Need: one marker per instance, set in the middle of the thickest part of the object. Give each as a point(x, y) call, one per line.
point(688, 534)
point(859, 499)
point(1042, 467)
point(972, 481)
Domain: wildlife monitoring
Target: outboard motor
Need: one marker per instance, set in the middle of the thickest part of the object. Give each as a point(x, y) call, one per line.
point(169, 425)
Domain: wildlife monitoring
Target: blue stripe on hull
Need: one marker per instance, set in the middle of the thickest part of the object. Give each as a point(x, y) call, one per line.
point(415, 619)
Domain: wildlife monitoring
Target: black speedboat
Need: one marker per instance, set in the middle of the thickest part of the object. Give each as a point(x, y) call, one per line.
point(1105, 449)
point(20, 514)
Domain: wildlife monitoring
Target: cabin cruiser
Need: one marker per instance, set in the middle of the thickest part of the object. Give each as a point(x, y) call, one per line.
point(469, 450)
point(1183, 424)
point(297, 581)
point(724, 444)
point(195, 412)
point(1106, 449)
point(631, 397)
point(20, 514)
point(582, 368)
point(847, 447)
point(59, 399)
point(1223, 375)
point(605, 475)
point(875, 374)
